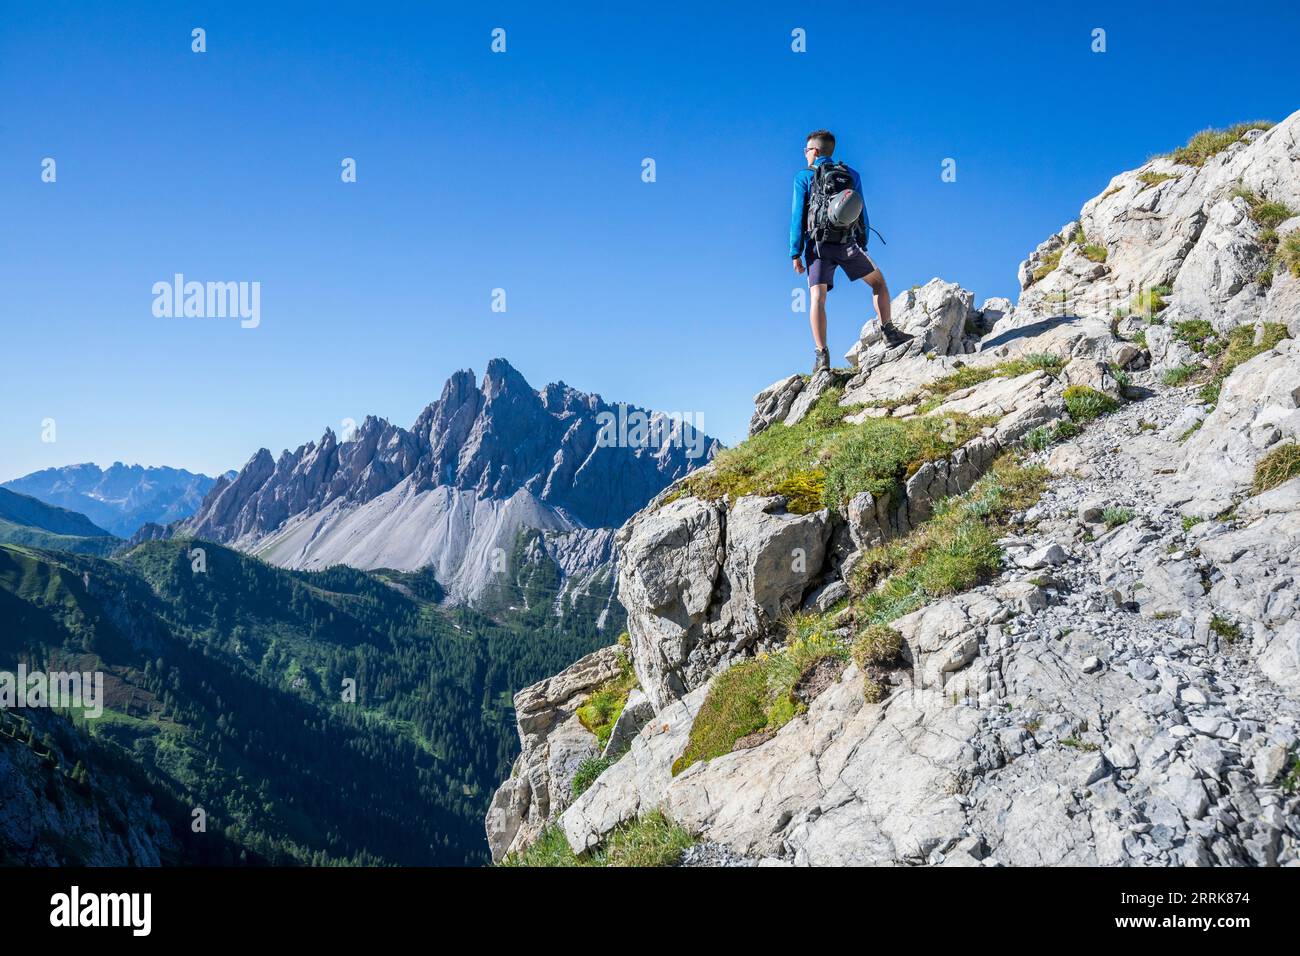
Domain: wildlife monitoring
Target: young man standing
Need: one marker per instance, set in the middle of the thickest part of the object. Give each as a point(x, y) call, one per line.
point(822, 237)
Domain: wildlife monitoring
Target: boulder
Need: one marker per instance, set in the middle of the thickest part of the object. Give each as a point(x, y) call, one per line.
point(936, 314)
point(1219, 276)
point(1259, 405)
point(773, 403)
point(671, 558)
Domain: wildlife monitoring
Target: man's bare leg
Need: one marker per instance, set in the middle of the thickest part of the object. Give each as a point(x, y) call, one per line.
point(817, 314)
point(880, 297)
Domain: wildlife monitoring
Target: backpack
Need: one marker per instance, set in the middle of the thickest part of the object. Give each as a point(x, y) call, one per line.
point(830, 180)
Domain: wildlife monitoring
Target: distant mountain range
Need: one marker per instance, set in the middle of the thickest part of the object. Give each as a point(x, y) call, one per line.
point(29, 521)
point(120, 498)
point(484, 464)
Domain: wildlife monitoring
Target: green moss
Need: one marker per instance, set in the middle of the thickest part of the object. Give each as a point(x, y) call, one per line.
point(1077, 744)
point(1085, 404)
point(1280, 465)
point(1209, 142)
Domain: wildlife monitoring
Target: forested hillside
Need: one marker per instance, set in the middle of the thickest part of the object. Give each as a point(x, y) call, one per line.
point(226, 679)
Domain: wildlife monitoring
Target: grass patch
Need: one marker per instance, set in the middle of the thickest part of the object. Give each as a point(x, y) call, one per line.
point(652, 839)
point(1228, 630)
point(588, 771)
point(1240, 347)
point(1113, 516)
point(1152, 178)
point(1288, 253)
point(1291, 782)
point(953, 551)
point(968, 376)
point(549, 849)
point(758, 694)
point(1210, 142)
point(599, 712)
point(1085, 404)
point(1278, 466)
point(876, 647)
point(885, 452)
point(1150, 302)
point(1196, 333)
point(1267, 213)
point(1048, 265)
point(1046, 435)
point(1179, 374)
point(823, 461)
point(1190, 522)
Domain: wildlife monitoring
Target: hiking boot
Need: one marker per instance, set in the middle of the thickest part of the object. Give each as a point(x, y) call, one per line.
point(822, 362)
point(894, 336)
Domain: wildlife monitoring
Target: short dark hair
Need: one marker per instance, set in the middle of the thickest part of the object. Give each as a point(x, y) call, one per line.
point(824, 140)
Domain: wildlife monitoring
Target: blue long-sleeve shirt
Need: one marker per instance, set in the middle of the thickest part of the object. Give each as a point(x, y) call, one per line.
point(799, 205)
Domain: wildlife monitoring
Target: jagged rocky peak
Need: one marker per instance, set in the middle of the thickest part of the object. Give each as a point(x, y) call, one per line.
point(487, 458)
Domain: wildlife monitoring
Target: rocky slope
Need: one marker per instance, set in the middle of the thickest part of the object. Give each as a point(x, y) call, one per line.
point(479, 465)
point(1122, 689)
point(121, 497)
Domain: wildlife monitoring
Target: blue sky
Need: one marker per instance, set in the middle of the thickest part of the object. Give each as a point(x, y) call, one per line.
point(522, 171)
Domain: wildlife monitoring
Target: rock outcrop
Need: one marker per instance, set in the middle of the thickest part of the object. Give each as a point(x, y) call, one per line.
point(554, 743)
point(1123, 691)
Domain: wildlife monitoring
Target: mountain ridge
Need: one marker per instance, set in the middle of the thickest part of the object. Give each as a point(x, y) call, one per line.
point(120, 498)
point(480, 463)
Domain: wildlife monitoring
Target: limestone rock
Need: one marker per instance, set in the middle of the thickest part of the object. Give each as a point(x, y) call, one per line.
point(553, 744)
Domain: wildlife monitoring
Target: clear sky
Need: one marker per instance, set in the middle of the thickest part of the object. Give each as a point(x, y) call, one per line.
point(523, 171)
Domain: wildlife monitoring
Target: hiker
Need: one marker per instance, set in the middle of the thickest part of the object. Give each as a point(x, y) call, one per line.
point(828, 228)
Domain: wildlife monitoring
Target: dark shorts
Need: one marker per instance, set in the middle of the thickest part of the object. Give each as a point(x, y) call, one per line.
point(849, 256)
